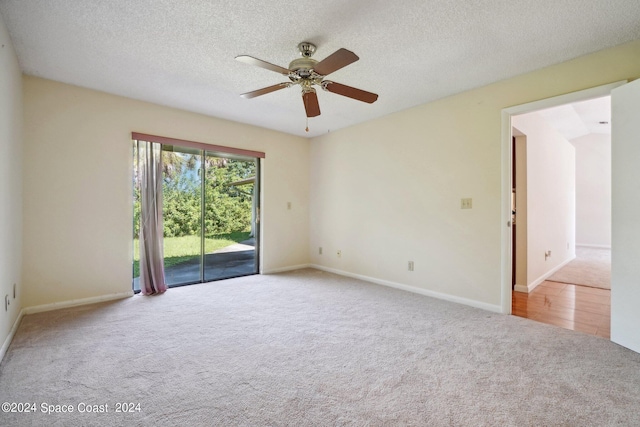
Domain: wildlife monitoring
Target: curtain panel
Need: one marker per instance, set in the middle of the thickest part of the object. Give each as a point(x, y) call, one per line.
point(152, 278)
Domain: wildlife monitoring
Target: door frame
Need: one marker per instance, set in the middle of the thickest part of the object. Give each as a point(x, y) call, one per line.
point(506, 175)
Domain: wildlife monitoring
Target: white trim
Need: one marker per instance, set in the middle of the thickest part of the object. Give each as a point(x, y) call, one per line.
point(76, 302)
point(586, 245)
point(535, 283)
point(505, 204)
point(55, 306)
point(284, 269)
point(506, 217)
point(14, 329)
point(425, 292)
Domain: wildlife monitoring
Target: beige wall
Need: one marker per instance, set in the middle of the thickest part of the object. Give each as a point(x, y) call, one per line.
point(551, 196)
point(77, 187)
point(388, 191)
point(383, 192)
point(10, 184)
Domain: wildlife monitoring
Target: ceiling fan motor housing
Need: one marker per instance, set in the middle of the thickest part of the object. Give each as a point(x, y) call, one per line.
point(303, 66)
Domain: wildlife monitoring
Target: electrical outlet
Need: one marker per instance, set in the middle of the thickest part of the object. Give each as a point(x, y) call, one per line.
point(320, 250)
point(339, 253)
point(466, 203)
point(410, 265)
point(547, 254)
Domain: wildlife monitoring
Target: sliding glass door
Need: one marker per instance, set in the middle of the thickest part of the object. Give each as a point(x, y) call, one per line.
point(209, 215)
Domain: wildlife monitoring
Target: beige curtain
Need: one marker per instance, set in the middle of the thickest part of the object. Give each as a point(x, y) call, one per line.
point(152, 280)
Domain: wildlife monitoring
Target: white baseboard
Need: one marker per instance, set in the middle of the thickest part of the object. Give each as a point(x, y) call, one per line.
point(76, 302)
point(7, 342)
point(586, 245)
point(521, 288)
point(283, 269)
point(56, 306)
point(425, 292)
point(542, 278)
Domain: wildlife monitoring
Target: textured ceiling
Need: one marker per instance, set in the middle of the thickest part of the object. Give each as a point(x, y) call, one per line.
point(181, 53)
point(580, 118)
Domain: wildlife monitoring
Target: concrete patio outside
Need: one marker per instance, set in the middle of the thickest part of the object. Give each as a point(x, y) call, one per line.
point(234, 260)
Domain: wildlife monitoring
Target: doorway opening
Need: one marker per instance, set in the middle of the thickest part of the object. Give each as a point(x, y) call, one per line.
point(515, 282)
point(562, 247)
point(210, 211)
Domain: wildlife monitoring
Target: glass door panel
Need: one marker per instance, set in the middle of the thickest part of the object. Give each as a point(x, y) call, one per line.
point(230, 193)
point(182, 212)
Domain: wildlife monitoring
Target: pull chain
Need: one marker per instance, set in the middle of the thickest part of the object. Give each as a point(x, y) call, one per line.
point(307, 128)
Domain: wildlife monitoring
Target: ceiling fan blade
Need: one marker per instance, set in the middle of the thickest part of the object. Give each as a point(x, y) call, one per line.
point(338, 59)
point(350, 92)
point(311, 103)
point(265, 90)
point(263, 64)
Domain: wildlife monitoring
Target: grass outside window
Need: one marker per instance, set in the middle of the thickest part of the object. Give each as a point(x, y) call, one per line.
point(185, 248)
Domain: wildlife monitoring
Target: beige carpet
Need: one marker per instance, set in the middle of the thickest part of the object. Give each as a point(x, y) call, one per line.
point(591, 267)
point(309, 348)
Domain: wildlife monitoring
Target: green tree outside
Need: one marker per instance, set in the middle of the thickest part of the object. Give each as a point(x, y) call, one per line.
point(227, 207)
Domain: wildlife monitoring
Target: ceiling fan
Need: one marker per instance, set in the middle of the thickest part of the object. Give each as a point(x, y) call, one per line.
point(308, 72)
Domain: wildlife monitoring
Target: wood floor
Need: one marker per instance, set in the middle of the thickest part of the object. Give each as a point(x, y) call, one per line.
point(578, 308)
